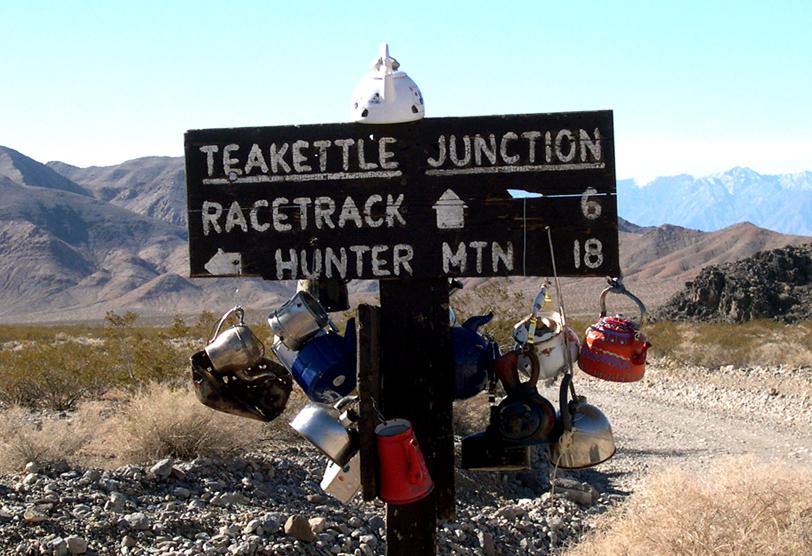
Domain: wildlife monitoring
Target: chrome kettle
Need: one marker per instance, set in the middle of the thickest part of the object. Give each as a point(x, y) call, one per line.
point(236, 347)
point(586, 437)
point(332, 429)
point(298, 320)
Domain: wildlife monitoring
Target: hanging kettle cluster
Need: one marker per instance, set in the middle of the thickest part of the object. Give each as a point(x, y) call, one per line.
point(578, 434)
point(307, 343)
point(232, 374)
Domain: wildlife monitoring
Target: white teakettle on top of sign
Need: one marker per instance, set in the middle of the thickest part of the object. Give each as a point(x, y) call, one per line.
point(385, 95)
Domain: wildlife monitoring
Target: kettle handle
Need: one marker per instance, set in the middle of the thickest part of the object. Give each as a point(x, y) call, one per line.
point(415, 473)
point(344, 402)
point(563, 401)
point(535, 365)
point(237, 310)
point(616, 286)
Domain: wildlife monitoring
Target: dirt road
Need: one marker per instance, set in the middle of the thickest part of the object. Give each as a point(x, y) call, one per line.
point(690, 417)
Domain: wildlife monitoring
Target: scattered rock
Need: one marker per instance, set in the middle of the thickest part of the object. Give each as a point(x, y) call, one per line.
point(76, 545)
point(137, 521)
point(163, 468)
point(318, 524)
point(299, 528)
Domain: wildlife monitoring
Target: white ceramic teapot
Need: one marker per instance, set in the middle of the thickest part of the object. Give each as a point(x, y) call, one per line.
point(385, 95)
point(544, 331)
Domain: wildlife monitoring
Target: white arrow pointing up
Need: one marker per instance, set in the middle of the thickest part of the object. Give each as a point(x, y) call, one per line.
point(224, 264)
point(450, 210)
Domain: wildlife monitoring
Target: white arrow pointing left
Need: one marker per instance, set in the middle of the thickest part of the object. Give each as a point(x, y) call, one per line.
point(224, 264)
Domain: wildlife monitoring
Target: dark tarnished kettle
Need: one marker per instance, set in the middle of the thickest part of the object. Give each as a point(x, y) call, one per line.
point(472, 355)
point(524, 417)
point(260, 392)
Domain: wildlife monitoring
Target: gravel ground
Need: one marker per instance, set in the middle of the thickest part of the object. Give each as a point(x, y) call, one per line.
point(269, 502)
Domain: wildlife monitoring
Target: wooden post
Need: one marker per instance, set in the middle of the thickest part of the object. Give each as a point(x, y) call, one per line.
point(369, 393)
point(417, 368)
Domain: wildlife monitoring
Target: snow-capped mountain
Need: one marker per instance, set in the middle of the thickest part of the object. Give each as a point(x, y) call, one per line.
point(782, 203)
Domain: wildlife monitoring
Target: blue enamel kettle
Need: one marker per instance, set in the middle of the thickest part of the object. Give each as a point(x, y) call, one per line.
point(325, 367)
point(472, 356)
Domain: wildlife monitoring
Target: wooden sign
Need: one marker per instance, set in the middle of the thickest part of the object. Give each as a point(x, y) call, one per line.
point(440, 197)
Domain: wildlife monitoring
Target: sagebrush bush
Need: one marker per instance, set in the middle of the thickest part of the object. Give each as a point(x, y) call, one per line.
point(161, 422)
point(737, 508)
point(27, 436)
point(56, 376)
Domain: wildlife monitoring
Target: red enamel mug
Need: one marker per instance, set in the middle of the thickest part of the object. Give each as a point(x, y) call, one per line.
point(404, 477)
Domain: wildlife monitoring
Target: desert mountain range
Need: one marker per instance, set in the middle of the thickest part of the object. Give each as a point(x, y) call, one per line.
point(78, 242)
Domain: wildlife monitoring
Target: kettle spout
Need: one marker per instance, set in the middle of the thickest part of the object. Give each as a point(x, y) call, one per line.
point(473, 323)
point(542, 301)
point(349, 335)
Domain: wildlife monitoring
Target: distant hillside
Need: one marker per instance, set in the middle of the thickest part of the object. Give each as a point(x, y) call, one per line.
point(78, 242)
point(656, 263)
point(69, 256)
point(774, 284)
point(153, 186)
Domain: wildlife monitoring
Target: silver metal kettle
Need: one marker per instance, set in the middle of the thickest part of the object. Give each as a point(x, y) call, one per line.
point(236, 347)
point(330, 428)
point(587, 438)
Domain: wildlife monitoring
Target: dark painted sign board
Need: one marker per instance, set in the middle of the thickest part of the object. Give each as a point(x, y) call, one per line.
point(440, 197)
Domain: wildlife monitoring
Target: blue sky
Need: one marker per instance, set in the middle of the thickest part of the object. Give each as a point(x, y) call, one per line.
point(696, 86)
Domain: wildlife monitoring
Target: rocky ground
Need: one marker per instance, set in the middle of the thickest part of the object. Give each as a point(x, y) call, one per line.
point(269, 502)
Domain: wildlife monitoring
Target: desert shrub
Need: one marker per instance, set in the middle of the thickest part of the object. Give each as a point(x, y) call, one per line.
point(160, 422)
point(179, 328)
point(27, 436)
point(738, 508)
point(205, 321)
point(54, 376)
point(140, 355)
point(29, 333)
point(753, 343)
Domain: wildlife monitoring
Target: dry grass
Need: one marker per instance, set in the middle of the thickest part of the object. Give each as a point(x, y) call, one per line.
point(161, 422)
point(738, 508)
point(750, 344)
point(27, 436)
point(155, 423)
